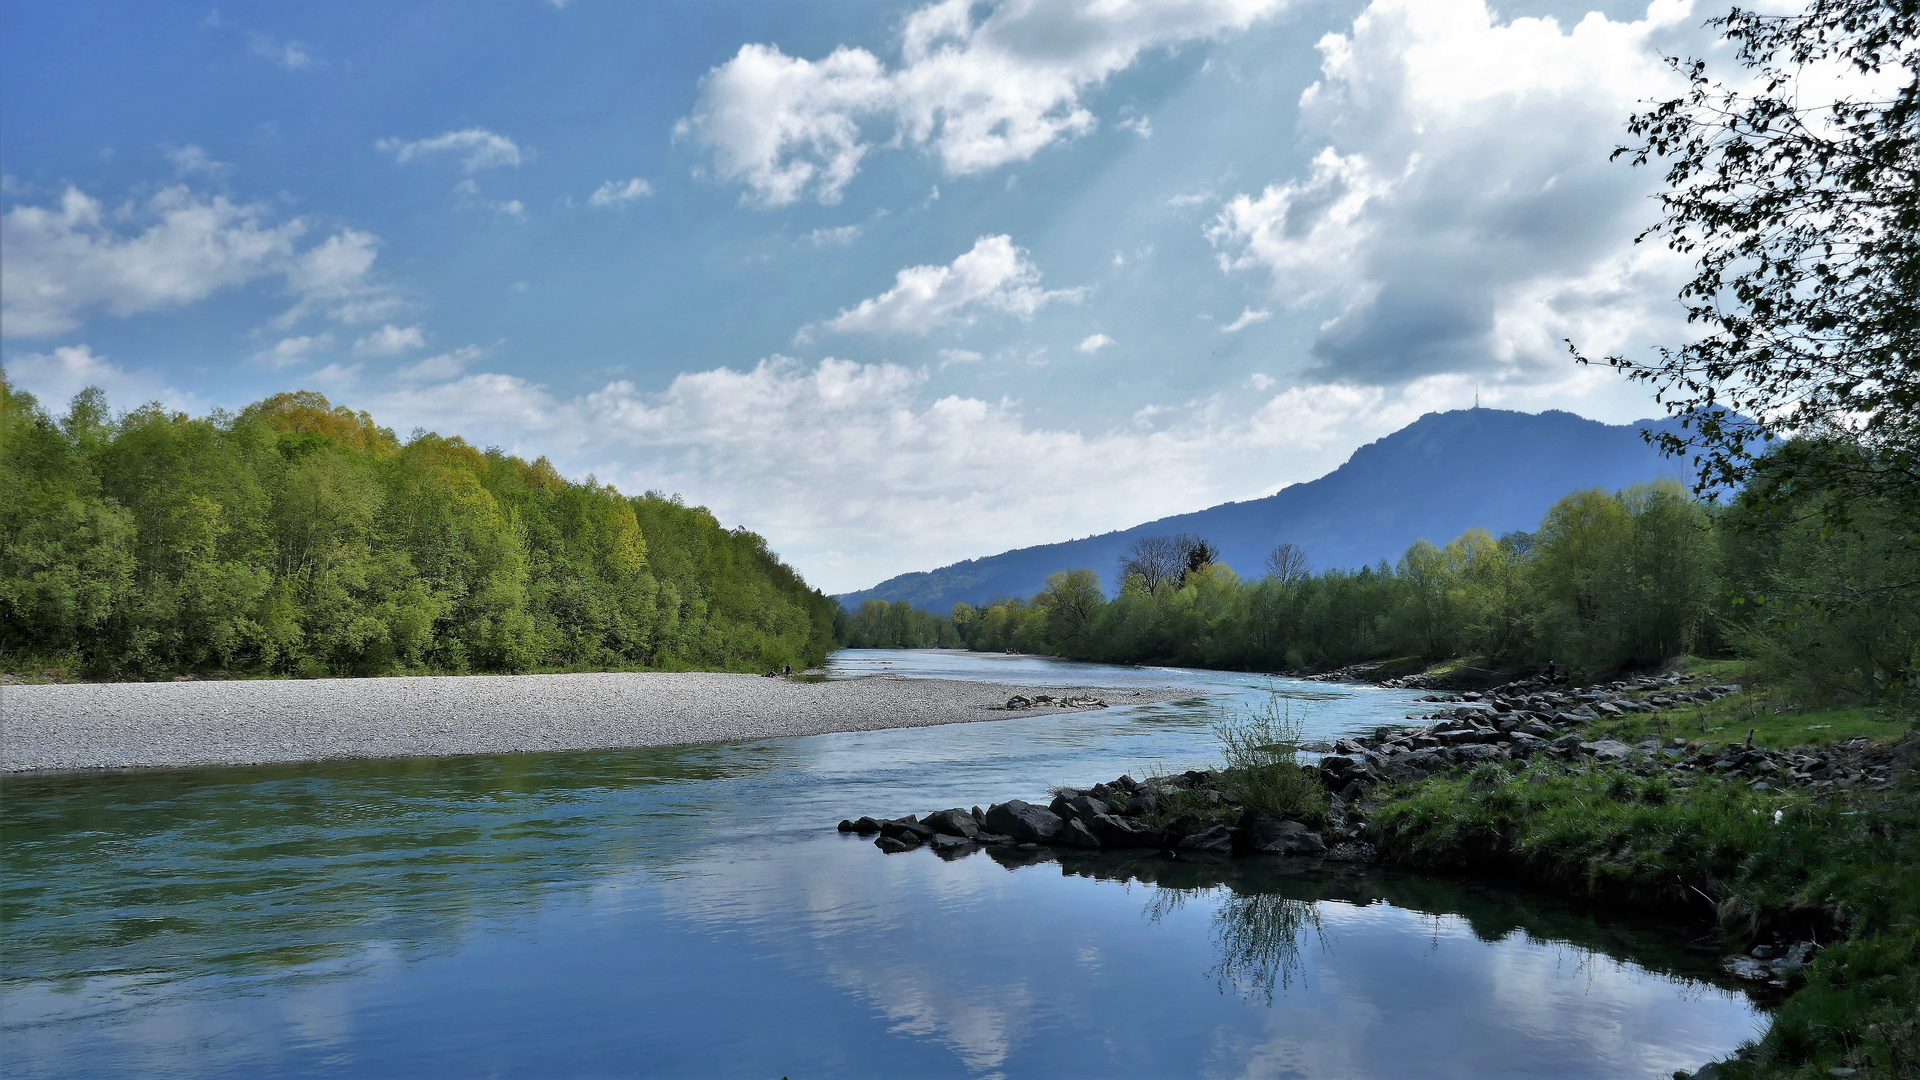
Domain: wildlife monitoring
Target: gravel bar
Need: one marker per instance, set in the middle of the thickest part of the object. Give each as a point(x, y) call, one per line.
point(76, 726)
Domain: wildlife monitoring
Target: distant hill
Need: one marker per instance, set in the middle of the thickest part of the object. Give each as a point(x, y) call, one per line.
point(1434, 479)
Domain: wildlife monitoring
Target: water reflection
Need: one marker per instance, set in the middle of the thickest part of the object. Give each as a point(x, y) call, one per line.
point(691, 912)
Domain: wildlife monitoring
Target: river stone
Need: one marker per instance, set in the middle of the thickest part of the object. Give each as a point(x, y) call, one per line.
point(1025, 822)
point(1607, 749)
point(955, 822)
point(1145, 802)
point(893, 846)
point(1076, 834)
point(1217, 840)
point(906, 829)
point(952, 846)
point(1270, 836)
point(846, 825)
point(1113, 831)
point(866, 826)
point(1086, 807)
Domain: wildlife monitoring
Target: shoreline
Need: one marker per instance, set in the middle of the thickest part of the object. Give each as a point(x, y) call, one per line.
point(85, 727)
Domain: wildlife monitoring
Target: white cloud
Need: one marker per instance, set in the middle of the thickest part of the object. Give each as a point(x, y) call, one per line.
point(291, 55)
point(993, 275)
point(390, 340)
point(1093, 343)
point(447, 365)
point(335, 276)
point(1247, 318)
point(477, 149)
point(176, 249)
point(1139, 125)
point(949, 357)
point(191, 160)
point(976, 89)
point(294, 350)
point(619, 192)
point(56, 376)
point(855, 476)
point(1463, 214)
point(838, 236)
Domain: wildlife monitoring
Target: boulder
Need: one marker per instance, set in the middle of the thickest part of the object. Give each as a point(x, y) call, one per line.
point(866, 826)
point(952, 846)
point(1025, 822)
point(1145, 802)
point(846, 825)
point(1086, 807)
point(1607, 749)
point(1114, 831)
point(906, 829)
point(893, 846)
point(1076, 834)
point(1217, 840)
point(1264, 835)
point(955, 822)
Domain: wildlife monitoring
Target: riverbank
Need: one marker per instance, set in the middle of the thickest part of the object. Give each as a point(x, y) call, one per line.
point(1801, 860)
point(81, 726)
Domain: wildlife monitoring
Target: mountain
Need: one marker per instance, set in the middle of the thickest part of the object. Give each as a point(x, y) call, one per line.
point(1434, 479)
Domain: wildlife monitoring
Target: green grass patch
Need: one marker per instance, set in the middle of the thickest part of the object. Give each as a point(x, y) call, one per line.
point(1843, 871)
point(1774, 724)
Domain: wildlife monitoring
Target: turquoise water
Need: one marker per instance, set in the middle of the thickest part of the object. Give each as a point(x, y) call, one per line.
point(692, 912)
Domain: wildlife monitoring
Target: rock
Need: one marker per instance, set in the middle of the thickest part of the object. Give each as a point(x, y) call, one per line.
point(1474, 753)
point(1025, 822)
point(1264, 835)
point(866, 826)
point(1145, 802)
point(905, 829)
point(1217, 840)
point(1607, 749)
point(894, 846)
point(954, 846)
point(1076, 834)
point(1018, 702)
point(955, 822)
point(1746, 967)
point(845, 825)
point(1114, 831)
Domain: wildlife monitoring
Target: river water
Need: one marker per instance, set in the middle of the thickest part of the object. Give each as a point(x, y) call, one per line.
point(692, 912)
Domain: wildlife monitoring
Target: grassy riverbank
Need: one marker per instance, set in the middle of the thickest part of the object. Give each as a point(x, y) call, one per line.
point(1764, 864)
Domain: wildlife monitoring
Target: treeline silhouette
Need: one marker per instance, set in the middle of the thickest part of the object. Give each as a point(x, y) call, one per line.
point(298, 538)
point(1609, 581)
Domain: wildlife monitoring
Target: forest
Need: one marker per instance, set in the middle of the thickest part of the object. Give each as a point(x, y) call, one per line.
point(1816, 587)
point(297, 538)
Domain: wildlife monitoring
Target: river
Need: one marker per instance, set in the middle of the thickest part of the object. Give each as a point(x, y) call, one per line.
point(692, 912)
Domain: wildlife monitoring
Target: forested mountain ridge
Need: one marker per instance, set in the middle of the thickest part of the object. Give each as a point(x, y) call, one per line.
point(1432, 480)
point(300, 538)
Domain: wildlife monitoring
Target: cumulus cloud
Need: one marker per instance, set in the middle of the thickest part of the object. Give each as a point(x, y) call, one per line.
point(993, 275)
point(855, 474)
point(56, 376)
point(447, 365)
point(1247, 318)
point(288, 352)
point(1093, 343)
point(619, 192)
point(176, 249)
point(390, 340)
point(291, 55)
point(1462, 214)
point(477, 148)
point(975, 89)
point(191, 160)
point(838, 236)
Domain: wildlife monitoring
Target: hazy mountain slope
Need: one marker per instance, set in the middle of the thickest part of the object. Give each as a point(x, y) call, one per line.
point(1434, 479)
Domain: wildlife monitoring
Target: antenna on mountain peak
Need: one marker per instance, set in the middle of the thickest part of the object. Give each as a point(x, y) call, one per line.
point(1476, 395)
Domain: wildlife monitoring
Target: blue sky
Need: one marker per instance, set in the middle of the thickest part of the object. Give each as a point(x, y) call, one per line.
point(892, 284)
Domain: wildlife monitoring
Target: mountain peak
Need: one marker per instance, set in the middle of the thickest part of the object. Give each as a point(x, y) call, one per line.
point(1439, 476)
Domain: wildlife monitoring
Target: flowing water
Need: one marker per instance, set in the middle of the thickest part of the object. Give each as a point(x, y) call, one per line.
point(692, 912)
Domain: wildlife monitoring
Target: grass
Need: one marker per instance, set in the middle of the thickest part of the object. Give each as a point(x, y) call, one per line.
point(1729, 719)
point(1843, 871)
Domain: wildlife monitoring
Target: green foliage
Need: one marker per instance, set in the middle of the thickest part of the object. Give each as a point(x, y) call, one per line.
point(1262, 748)
point(301, 539)
point(1753, 860)
point(899, 625)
